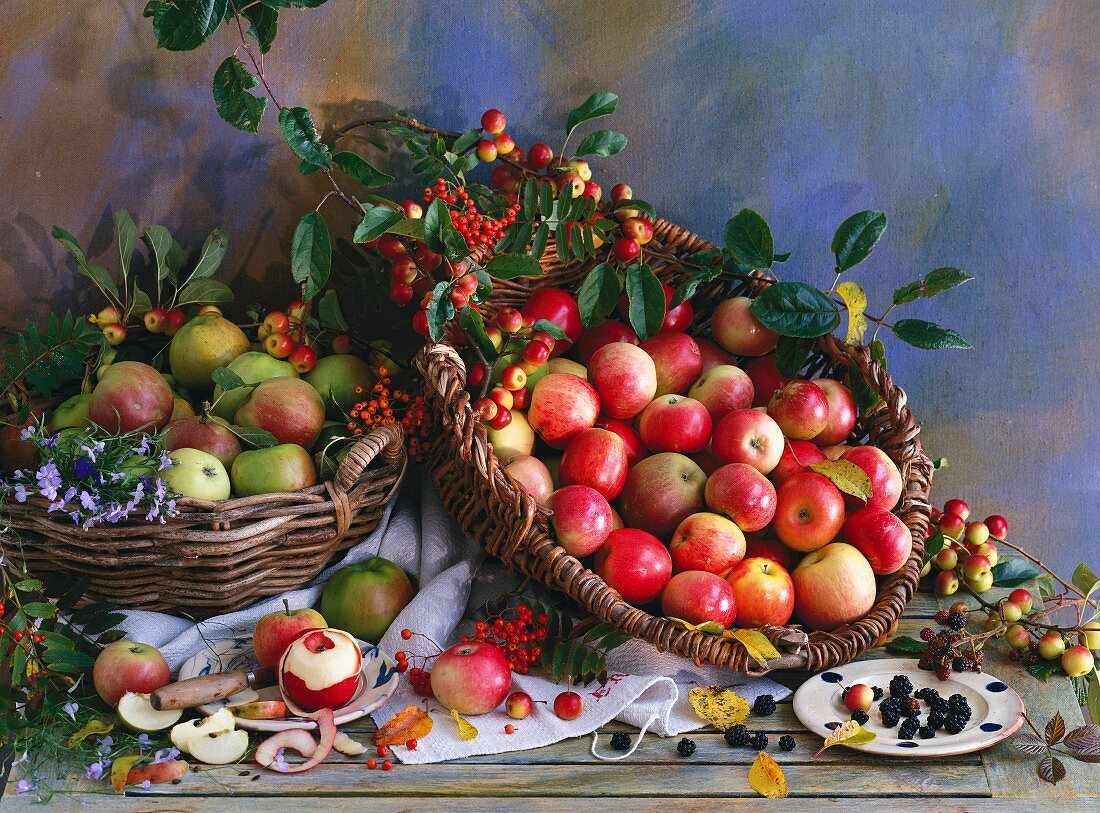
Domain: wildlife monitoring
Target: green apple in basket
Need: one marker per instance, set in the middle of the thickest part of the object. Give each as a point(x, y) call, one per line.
point(277, 469)
point(195, 473)
point(201, 346)
point(73, 413)
point(342, 381)
point(364, 598)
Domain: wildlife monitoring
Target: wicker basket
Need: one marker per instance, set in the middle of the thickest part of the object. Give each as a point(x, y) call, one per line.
point(214, 557)
point(496, 511)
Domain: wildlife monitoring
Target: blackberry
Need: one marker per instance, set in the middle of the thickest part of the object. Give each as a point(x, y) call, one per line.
point(890, 718)
point(927, 694)
point(764, 705)
point(927, 634)
point(926, 732)
point(941, 617)
point(943, 673)
point(911, 708)
point(935, 721)
point(938, 704)
point(786, 743)
point(890, 703)
point(908, 730)
point(620, 741)
point(957, 701)
point(953, 724)
point(685, 747)
point(962, 663)
point(877, 692)
point(860, 716)
point(759, 741)
point(956, 621)
point(900, 686)
point(737, 736)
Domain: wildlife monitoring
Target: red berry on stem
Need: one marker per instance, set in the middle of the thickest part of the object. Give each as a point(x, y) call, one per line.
point(998, 526)
point(539, 156)
point(493, 121)
point(487, 151)
point(626, 249)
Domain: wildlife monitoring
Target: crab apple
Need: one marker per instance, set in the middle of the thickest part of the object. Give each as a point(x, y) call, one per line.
point(677, 359)
point(401, 294)
point(988, 550)
point(707, 541)
point(562, 406)
point(504, 144)
point(1022, 598)
point(493, 121)
point(513, 377)
point(341, 345)
point(581, 167)
point(574, 181)
point(1091, 637)
point(959, 606)
point(635, 563)
point(765, 379)
point(946, 559)
point(519, 705)
point(859, 696)
point(722, 389)
point(952, 525)
point(427, 259)
point(501, 419)
point(842, 412)
point(595, 458)
point(1009, 611)
point(108, 316)
point(404, 270)
point(797, 456)
point(508, 320)
point(766, 547)
point(880, 536)
point(947, 583)
point(763, 591)
point(625, 376)
point(674, 423)
point(114, 333)
point(608, 331)
point(568, 705)
point(621, 192)
point(173, 321)
point(559, 308)
point(536, 353)
point(998, 526)
point(276, 322)
point(1051, 646)
point(809, 511)
point(539, 156)
point(743, 494)
point(502, 396)
point(801, 410)
point(303, 358)
point(632, 441)
point(679, 318)
point(593, 190)
point(278, 345)
point(626, 249)
point(638, 228)
point(738, 331)
point(521, 398)
point(581, 517)
point(390, 247)
point(886, 483)
point(748, 436)
point(485, 408)
point(957, 507)
point(697, 596)
point(1017, 636)
point(154, 319)
point(296, 310)
point(487, 151)
point(977, 533)
point(661, 491)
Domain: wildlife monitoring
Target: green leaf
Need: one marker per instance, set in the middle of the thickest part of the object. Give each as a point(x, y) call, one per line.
point(538, 242)
point(511, 266)
point(236, 106)
point(433, 225)
point(905, 645)
point(646, 300)
point(933, 545)
point(856, 237)
point(439, 310)
point(96, 273)
point(597, 105)
point(1014, 572)
point(211, 256)
point(929, 336)
point(203, 292)
point(1085, 580)
point(546, 326)
point(104, 622)
point(791, 354)
point(311, 254)
point(226, 379)
point(473, 324)
point(360, 169)
point(1093, 703)
point(603, 143)
point(302, 136)
point(749, 237)
point(265, 24)
point(39, 609)
point(126, 232)
point(183, 25)
point(598, 294)
point(377, 220)
point(466, 140)
point(938, 281)
point(140, 303)
point(28, 586)
point(294, 3)
point(1044, 669)
point(159, 242)
point(254, 436)
point(796, 309)
point(330, 313)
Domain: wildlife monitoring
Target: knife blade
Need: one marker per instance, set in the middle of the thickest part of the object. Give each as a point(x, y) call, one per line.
point(185, 694)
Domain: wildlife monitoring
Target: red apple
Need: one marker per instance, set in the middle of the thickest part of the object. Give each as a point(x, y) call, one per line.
point(679, 318)
point(276, 631)
point(562, 406)
point(677, 359)
point(696, 596)
point(557, 306)
point(722, 389)
point(706, 541)
point(738, 331)
point(859, 696)
point(661, 491)
point(748, 436)
point(674, 423)
point(765, 379)
point(743, 494)
point(797, 456)
point(801, 409)
point(763, 591)
point(519, 705)
point(320, 669)
point(289, 408)
point(765, 547)
point(835, 452)
point(713, 355)
point(207, 434)
point(471, 678)
point(595, 458)
point(128, 666)
point(886, 484)
point(533, 475)
point(131, 396)
point(363, 598)
point(635, 449)
point(809, 512)
point(833, 586)
point(998, 526)
point(608, 331)
point(880, 536)
point(625, 377)
point(842, 412)
point(581, 519)
point(635, 563)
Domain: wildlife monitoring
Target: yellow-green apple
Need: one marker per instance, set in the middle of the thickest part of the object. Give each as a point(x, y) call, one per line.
point(977, 571)
point(471, 678)
point(661, 491)
point(73, 413)
point(738, 331)
point(1077, 661)
point(842, 412)
point(1090, 637)
point(519, 705)
point(211, 435)
point(797, 456)
point(674, 423)
point(880, 536)
point(696, 596)
point(834, 452)
point(625, 378)
point(706, 541)
point(976, 534)
point(1052, 645)
point(275, 631)
point(743, 494)
point(946, 559)
point(341, 381)
point(765, 379)
point(288, 408)
point(947, 583)
point(513, 440)
point(275, 470)
point(713, 355)
point(533, 475)
point(767, 547)
point(320, 669)
point(763, 591)
point(565, 366)
point(677, 360)
point(203, 345)
point(581, 517)
point(562, 406)
point(128, 666)
point(833, 586)
point(635, 563)
point(722, 389)
point(198, 474)
point(131, 395)
point(1023, 599)
point(136, 712)
point(608, 331)
point(748, 436)
point(809, 511)
point(365, 597)
point(886, 484)
point(952, 525)
point(595, 458)
point(801, 409)
point(557, 306)
point(181, 409)
point(252, 368)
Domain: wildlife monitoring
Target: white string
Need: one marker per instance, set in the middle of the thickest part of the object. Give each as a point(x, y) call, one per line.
point(633, 747)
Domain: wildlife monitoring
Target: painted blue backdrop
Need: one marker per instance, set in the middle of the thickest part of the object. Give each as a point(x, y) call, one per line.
point(975, 126)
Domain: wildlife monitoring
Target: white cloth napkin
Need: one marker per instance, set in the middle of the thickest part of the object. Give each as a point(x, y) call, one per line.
point(647, 688)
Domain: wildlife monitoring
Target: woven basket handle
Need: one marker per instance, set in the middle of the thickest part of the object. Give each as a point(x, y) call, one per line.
point(388, 441)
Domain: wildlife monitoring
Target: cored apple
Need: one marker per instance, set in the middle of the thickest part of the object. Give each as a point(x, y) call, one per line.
point(722, 389)
point(842, 412)
point(562, 406)
point(763, 591)
point(661, 491)
point(765, 379)
point(801, 409)
point(533, 475)
point(833, 586)
point(797, 456)
point(881, 537)
point(635, 563)
point(677, 360)
point(275, 631)
point(886, 484)
point(748, 436)
point(557, 306)
point(767, 547)
point(471, 678)
point(625, 377)
point(674, 423)
point(706, 541)
point(320, 669)
point(608, 331)
point(635, 449)
point(743, 494)
point(738, 331)
point(713, 355)
point(697, 596)
point(581, 519)
point(595, 458)
point(809, 512)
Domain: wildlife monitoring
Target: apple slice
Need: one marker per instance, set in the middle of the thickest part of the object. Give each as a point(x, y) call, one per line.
point(221, 748)
point(182, 733)
point(260, 710)
point(295, 739)
point(138, 714)
point(347, 746)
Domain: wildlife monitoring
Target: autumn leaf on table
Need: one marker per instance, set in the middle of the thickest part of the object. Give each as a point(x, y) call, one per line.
point(850, 733)
point(411, 723)
point(722, 708)
point(466, 729)
point(92, 727)
point(767, 778)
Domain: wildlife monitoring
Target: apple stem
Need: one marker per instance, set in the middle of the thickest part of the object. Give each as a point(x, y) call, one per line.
point(204, 415)
point(286, 605)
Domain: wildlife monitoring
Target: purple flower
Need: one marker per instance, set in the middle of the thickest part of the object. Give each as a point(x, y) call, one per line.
point(55, 506)
point(83, 467)
point(145, 784)
point(88, 501)
point(92, 448)
point(71, 709)
point(105, 744)
point(20, 492)
point(165, 462)
point(49, 481)
point(144, 741)
point(28, 432)
point(24, 785)
point(49, 442)
point(165, 755)
point(280, 762)
point(142, 448)
point(94, 771)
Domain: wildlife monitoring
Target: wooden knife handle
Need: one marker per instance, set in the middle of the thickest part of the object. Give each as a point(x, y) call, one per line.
point(196, 691)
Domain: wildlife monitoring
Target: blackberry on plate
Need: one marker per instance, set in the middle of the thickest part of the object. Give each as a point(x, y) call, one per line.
point(759, 741)
point(786, 743)
point(910, 707)
point(764, 705)
point(685, 747)
point(956, 621)
point(935, 720)
point(860, 716)
point(877, 692)
point(927, 694)
point(620, 741)
point(890, 704)
point(954, 725)
point(939, 705)
point(901, 686)
point(926, 732)
point(890, 718)
point(958, 700)
point(737, 736)
point(908, 730)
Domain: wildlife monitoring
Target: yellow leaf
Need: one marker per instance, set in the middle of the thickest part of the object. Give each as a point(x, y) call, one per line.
point(757, 645)
point(767, 778)
point(120, 769)
point(466, 731)
point(850, 733)
point(855, 298)
point(411, 723)
point(90, 728)
point(709, 627)
point(722, 708)
point(846, 476)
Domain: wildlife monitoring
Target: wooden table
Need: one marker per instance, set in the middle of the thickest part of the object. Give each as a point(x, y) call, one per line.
point(565, 777)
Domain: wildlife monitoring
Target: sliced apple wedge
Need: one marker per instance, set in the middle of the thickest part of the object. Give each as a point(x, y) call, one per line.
point(261, 710)
point(347, 746)
point(182, 733)
point(137, 713)
point(220, 748)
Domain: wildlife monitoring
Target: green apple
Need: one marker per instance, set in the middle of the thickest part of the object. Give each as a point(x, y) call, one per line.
point(336, 379)
point(513, 440)
point(252, 368)
point(198, 474)
point(203, 345)
point(181, 409)
point(277, 469)
point(73, 413)
point(137, 713)
point(364, 598)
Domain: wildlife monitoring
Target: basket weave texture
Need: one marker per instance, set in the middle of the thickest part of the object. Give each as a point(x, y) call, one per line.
point(215, 557)
point(497, 512)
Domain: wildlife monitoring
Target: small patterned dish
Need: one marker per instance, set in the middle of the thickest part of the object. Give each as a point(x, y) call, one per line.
point(998, 712)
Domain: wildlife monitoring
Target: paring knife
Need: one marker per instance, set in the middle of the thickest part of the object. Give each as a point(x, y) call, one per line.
point(206, 689)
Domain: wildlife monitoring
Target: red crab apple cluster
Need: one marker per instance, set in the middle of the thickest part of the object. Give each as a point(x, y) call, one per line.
point(283, 336)
point(660, 472)
point(969, 551)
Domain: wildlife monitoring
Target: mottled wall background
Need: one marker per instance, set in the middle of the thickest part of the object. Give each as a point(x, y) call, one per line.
point(975, 126)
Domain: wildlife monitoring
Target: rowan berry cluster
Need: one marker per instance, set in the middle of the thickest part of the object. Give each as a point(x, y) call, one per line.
point(518, 631)
point(396, 406)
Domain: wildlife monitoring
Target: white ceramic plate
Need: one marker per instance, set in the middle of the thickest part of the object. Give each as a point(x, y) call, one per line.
point(998, 712)
point(379, 682)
